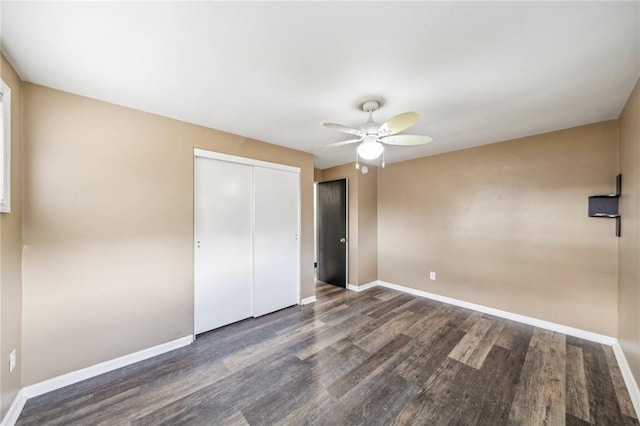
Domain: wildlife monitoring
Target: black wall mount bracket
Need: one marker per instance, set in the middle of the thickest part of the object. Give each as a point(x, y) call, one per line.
point(607, 205)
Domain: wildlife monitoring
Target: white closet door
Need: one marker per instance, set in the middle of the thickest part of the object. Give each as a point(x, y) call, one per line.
point(224, 246)
point(276, 254)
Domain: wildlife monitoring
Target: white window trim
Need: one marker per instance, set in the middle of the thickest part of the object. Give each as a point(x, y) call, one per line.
point(5, 199)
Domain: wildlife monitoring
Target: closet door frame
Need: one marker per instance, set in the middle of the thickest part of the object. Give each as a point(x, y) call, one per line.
point(197, 152)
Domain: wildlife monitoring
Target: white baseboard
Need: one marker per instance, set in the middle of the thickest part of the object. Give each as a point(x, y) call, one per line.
point(15, 409)
point(103, 367)
point(86, 373)
point(308, 300)
point(362, 287)
point(627, 375)
point(571, 331)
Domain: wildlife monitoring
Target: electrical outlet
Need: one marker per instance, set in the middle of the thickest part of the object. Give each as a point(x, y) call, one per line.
point(12, 360)
point(432, 276)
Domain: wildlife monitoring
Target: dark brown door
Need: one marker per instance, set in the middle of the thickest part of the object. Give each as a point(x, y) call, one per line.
point(332, 232)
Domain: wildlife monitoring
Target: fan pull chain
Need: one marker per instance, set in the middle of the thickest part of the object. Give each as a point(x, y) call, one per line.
point(383, 159)
point(357, 161)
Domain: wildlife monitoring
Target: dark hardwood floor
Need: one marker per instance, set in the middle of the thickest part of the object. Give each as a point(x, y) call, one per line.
point(378, 357)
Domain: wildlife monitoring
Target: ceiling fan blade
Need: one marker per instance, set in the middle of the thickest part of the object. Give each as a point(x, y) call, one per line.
point(406, 140)
point(398, 123)
point(343, 129)
point(342, 143)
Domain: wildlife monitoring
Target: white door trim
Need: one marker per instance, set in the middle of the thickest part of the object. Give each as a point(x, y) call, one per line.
point(197, 152)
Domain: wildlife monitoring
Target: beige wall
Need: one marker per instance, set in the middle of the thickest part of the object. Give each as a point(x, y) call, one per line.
point(362, 192)
point(108, 228)
point(506, 226)
point(11, 253)
point(368, 226)
point(629, 246)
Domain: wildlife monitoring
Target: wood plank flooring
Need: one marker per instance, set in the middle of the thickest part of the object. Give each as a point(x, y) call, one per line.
point(378, 357)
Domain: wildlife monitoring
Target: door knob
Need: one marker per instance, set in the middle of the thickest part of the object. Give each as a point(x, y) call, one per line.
point(343, 240)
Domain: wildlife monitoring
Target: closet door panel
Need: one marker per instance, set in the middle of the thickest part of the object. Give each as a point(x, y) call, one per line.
point(224, 243)
point(276, 252)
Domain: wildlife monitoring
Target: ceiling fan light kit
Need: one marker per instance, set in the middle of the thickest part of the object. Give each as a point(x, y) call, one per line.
point(370, 150)
point(372, 136)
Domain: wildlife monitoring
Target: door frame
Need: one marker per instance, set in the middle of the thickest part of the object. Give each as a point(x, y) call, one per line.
point(213, 155)
point(315, 225)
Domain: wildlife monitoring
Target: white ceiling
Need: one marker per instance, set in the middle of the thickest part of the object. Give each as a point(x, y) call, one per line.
point(477, 72)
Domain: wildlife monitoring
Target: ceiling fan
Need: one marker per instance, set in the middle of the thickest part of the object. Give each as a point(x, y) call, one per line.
point(372, 135)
